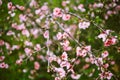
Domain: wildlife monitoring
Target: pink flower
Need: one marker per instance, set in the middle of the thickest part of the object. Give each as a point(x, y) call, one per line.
point(20, 7)
point(38, 11)
point(78, 51)
point(105, 54)
point(75, 76)
point(2, 58)
point(64, 56)
point(66, 17)
point(27, 43)
point(10, 5)
point(57, 12)
point(44, 8)
point(15, 47)
point(7, 46)
point(87, 48)
point(83, 52)
point(0, 2)
point(64, 3)
point(67, 48)
point(37, 47)
point(84, 25)
point(106, 65)
point(33, 3)
point(20, 27)
point(65, 64)
point(46, 34)
point(9, 33)
point(61, 72)
point(57, 78)
point(86, 66)
point(81, 8)
point(104, 35)
point(27, 51)
point(65, 35)
point(99, 61)
point(65, 43)
point(97, 5)
point(19, 62)
point(36, 65)
point(106, 75)
point(110, 41)
point(2, 42)
point(59, 36)
point(3, 65)
point(22, 17)
point(26, 32)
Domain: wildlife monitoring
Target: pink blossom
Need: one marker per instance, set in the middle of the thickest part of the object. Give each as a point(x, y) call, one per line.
point(3, 65)
point(2, 42)
point(84, 25)
point(77, 62)
point(65, 64)
point(83, 52)
point(0, 2)
point(57, 78)
point(105, 54)
point(66, 17)
point(34, 32)
point(15, 47)
point(46, 34)
point(2, 58)
point(36, 65)
point(58, 60)
point(64, 3)
point(99, 61)
point(110, 41)
point(26, 32)
point(20, 27)
point(9, 33)
point(38, 11)
point(59, 36)
point(106, 65)
point(100, 5)
point(37, 47)
point(27, 43)
point(14, 25)
point(48, 42)
point(75, 76)
point(86, 66)
point(33, 3)
point(19, 62)
point(81, 8)
point(44, 8)
point(57, 12)
point(61, 72)
point(104, 35)
point(7, 46)
point(22, 17)
point(92, 60)
point(65, 35)
point(64, 56)
point(27, 51)
point(106, 75)
point(52, 58)
point(88, 48)
point(67, 48)
point(20, 7)
point(65, 43)
point(112, 62)
point(9, 5)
